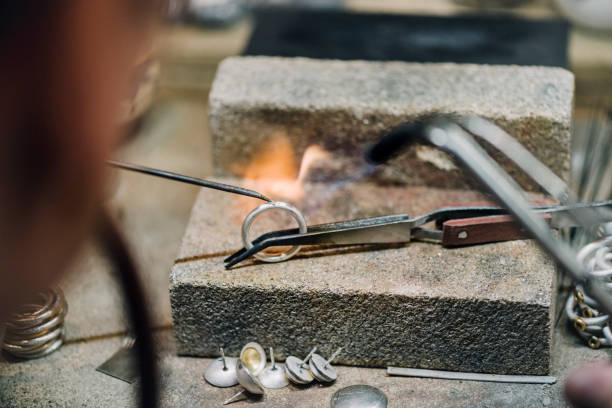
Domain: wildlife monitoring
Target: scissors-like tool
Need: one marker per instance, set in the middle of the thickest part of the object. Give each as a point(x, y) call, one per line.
point(455, 226)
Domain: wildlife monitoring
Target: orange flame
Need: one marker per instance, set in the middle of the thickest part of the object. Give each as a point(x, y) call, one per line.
point(275, 173)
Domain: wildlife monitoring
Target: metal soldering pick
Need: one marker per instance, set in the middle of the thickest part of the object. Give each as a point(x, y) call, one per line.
point(187, 179)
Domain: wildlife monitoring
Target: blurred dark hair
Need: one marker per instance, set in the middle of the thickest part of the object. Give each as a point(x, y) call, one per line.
point(14, 13)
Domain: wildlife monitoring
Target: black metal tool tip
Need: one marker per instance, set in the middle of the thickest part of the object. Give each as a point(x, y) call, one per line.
point(394, 142)
point(189, 180)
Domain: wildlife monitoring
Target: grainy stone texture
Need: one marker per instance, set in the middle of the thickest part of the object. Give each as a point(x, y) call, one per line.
point(484, 308)
point(345, 105)
point(68, 379)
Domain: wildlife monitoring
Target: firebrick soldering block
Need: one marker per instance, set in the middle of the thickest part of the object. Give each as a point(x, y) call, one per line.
point(346, 105)
point(485, 308)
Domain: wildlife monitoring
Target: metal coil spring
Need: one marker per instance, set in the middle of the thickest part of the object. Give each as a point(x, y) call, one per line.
point(582, 310)
point(38, 328)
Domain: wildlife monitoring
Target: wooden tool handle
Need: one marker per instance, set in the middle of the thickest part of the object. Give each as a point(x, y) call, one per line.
point(480, 230)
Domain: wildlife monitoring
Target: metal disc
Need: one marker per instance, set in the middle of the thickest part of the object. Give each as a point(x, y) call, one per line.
point(254, 357)
point(317, 375)
point(248, 380)
point(293, 378)
point(321, 370)
point(293, 366)
point(359, 396)
point(218, 376)
point(274, 377)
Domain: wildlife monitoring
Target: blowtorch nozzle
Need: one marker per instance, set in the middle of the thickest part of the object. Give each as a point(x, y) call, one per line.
point(394, 142)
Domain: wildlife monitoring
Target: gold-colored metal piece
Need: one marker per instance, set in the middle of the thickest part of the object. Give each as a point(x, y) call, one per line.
point(586, 311)
point(579, 324)
point(251, 359)
point(578, 296)
point(594, 342)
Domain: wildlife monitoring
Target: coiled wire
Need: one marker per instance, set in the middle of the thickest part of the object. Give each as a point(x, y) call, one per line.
point(582, 310)
point(38, 328)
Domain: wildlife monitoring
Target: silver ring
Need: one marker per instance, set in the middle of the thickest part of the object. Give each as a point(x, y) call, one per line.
point(277, 205)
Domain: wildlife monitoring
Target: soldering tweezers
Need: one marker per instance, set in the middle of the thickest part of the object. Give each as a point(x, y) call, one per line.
point(456, 226)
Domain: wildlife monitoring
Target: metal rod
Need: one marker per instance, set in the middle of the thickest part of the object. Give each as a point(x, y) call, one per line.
point(223, 359)
point(329, 360)
point(453, 139)
point(452, 375)
point(305, 361)
point(189, 180)
point(524, 159)
point(234, 397)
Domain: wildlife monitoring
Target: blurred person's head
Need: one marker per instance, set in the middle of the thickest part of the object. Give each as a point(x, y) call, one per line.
point(65, 67)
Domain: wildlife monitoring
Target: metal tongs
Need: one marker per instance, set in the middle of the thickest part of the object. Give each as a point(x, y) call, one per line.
point(455, 226)
point(455, 136)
